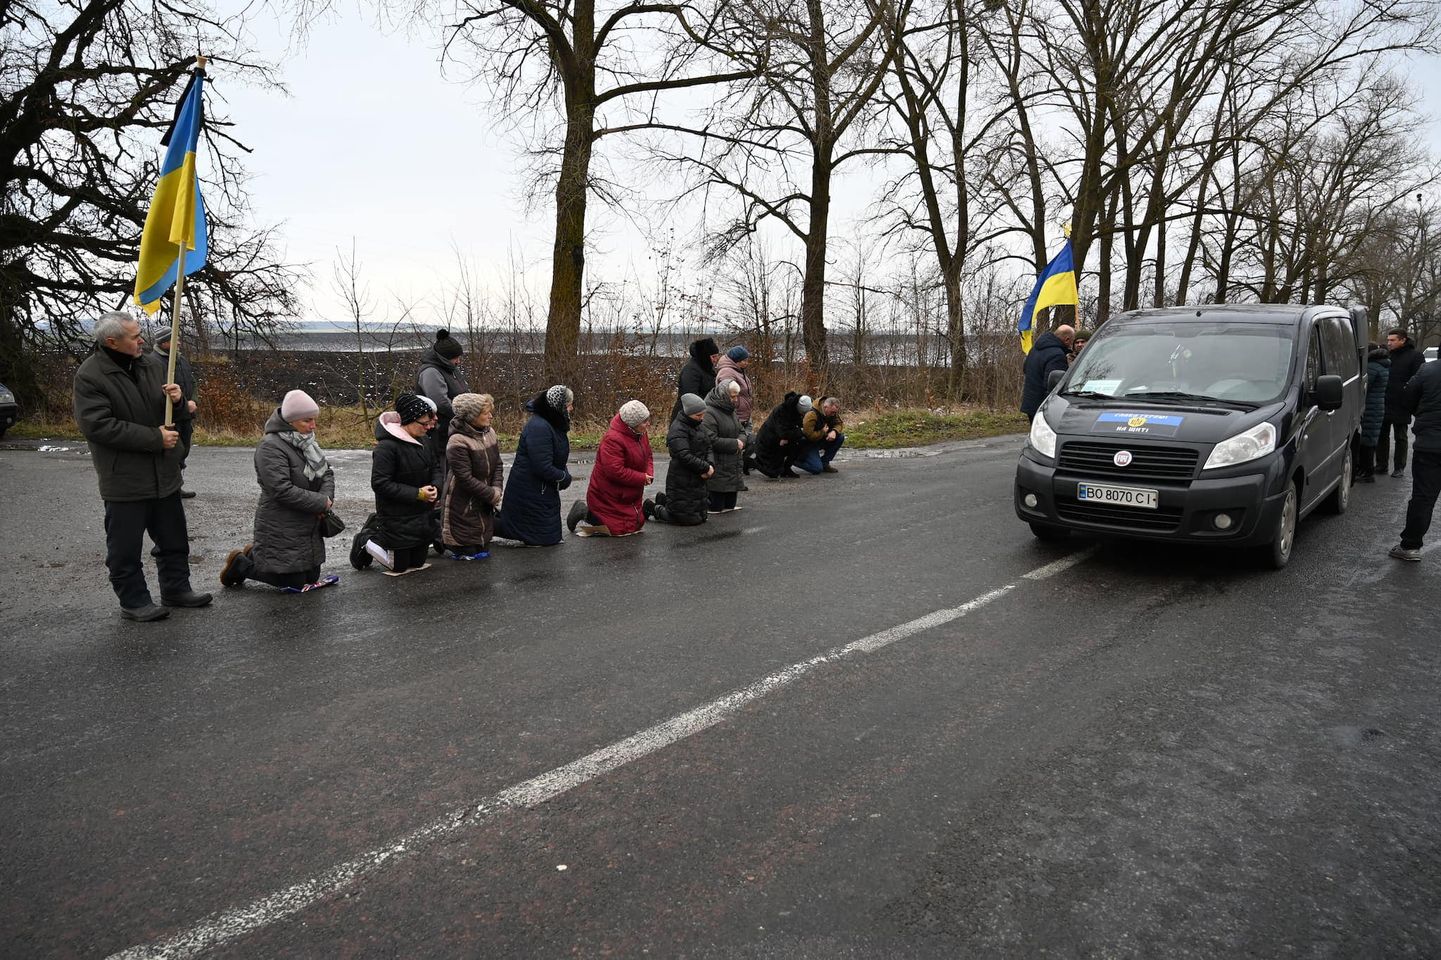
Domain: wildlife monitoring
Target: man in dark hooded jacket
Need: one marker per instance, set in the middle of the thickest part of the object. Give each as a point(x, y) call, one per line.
point(1422, 399)
point(1406, 362)
point(1048, 353)
point(698, 374)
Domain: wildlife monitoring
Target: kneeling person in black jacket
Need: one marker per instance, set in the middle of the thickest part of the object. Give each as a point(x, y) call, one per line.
point(685, 499)
point(405, 478)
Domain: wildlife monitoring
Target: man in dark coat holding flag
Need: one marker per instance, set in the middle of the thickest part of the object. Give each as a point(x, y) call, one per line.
point(1047, 353)
point(120, 396)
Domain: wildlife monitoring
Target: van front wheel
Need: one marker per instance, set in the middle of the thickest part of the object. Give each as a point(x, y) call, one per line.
point(1278, 553)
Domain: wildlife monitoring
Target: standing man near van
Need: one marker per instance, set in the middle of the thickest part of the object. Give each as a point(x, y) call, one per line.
point(1049, 352)
point(1422, 398)
point(1406, 362)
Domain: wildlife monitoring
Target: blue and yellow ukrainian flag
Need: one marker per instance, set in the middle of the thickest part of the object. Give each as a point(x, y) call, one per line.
point(177, 214)
point(1056, 286)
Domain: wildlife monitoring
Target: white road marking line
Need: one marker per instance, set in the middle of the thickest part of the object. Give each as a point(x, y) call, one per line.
point(227, 925)
point(753, 529)
point(1061, 565)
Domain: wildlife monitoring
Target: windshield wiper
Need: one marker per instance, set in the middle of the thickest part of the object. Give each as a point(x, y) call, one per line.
point(1087, 394)
point(1176, 396)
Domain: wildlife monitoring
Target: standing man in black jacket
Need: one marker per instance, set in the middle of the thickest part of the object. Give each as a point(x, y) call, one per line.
point(1048, 353)
point(120, 396)
point(1406, 362)
point(1423, 399)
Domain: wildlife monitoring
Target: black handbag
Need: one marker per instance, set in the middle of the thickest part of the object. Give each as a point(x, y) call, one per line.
point(331, 525)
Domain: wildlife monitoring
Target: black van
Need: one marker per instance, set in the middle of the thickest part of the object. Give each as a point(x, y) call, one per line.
point(1222, 424)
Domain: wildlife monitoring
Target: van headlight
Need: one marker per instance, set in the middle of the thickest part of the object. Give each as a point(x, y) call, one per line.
point(1256, 442)
point(1043, 438)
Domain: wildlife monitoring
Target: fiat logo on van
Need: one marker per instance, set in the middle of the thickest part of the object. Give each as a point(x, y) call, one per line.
point(1122, 458)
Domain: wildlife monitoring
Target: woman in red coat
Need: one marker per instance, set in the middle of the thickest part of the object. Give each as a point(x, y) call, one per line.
point(623, 468)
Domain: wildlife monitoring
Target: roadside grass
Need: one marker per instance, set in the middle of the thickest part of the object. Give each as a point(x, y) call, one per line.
point(347, 428)
point(888, 429)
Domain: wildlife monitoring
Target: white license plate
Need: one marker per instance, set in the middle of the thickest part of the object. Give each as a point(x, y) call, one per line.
point(1118, 496)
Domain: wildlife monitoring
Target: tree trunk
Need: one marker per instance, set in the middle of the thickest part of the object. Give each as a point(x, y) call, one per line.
point(567, 279)
point(1160, 290)
point(955, 330)
point(813, 285)
point(1106, 240)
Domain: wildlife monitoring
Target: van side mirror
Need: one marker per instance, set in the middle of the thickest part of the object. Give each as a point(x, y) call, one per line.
point(1330, 392)
point(1055, 377)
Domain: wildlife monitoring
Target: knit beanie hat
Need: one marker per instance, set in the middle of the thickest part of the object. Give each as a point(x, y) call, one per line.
point(803, 404)
point(162, 334)
point(558, 396)
point(411, 407)
point(468, 406)
point(447, 346)
point(633, 413)
point(297, 405)
point(691, 404)
point(738, 353)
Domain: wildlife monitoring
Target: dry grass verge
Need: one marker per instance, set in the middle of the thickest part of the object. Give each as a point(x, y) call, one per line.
point(346, 428)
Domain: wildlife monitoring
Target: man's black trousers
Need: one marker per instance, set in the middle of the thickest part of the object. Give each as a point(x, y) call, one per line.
point(126, 524)
point(1425, 486)
point(1383, 449)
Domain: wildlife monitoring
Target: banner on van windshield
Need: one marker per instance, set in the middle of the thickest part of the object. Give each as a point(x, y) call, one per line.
point(1136, 424)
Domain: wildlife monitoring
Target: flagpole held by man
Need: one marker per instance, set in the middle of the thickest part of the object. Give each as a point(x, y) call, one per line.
point(175, 233)
point(1056, 286)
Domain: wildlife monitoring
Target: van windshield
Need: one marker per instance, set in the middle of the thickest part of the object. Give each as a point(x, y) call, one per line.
point(1241, 363)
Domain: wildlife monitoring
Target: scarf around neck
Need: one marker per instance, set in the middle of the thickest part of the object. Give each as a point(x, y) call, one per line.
point(309, 447)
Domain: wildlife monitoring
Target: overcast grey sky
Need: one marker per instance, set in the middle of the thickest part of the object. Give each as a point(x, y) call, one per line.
point(374, 145)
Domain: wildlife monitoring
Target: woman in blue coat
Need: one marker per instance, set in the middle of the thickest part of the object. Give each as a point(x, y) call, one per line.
point(1378, 373)
point(530, 508)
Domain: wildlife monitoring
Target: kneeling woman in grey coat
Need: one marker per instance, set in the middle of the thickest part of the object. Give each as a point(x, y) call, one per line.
point(297, 486)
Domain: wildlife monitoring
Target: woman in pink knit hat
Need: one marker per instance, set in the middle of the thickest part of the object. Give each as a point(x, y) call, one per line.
point(297, 487)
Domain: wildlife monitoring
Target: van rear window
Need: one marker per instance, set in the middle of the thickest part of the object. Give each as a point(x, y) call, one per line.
point(1241, 363)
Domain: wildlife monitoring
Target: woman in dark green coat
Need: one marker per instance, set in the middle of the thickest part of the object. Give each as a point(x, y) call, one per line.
point(723, 430)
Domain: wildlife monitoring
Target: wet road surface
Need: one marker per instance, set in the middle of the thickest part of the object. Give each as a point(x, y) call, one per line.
point(866, 716)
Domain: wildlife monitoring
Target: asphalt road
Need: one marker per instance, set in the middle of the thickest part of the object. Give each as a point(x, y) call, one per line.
point(867, 716)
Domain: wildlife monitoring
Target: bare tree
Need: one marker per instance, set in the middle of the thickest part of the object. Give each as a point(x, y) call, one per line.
point(775, 144)
point(950, 135)
point(85, 89)
point(580, 72)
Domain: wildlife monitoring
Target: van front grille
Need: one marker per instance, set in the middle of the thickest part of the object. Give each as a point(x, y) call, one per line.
point(1148, 461)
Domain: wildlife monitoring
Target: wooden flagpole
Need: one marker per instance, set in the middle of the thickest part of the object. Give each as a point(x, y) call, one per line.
point(175, 313)
point(174, 336)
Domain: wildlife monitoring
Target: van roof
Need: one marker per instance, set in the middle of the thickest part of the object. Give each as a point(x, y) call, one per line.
point(1288, 313)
